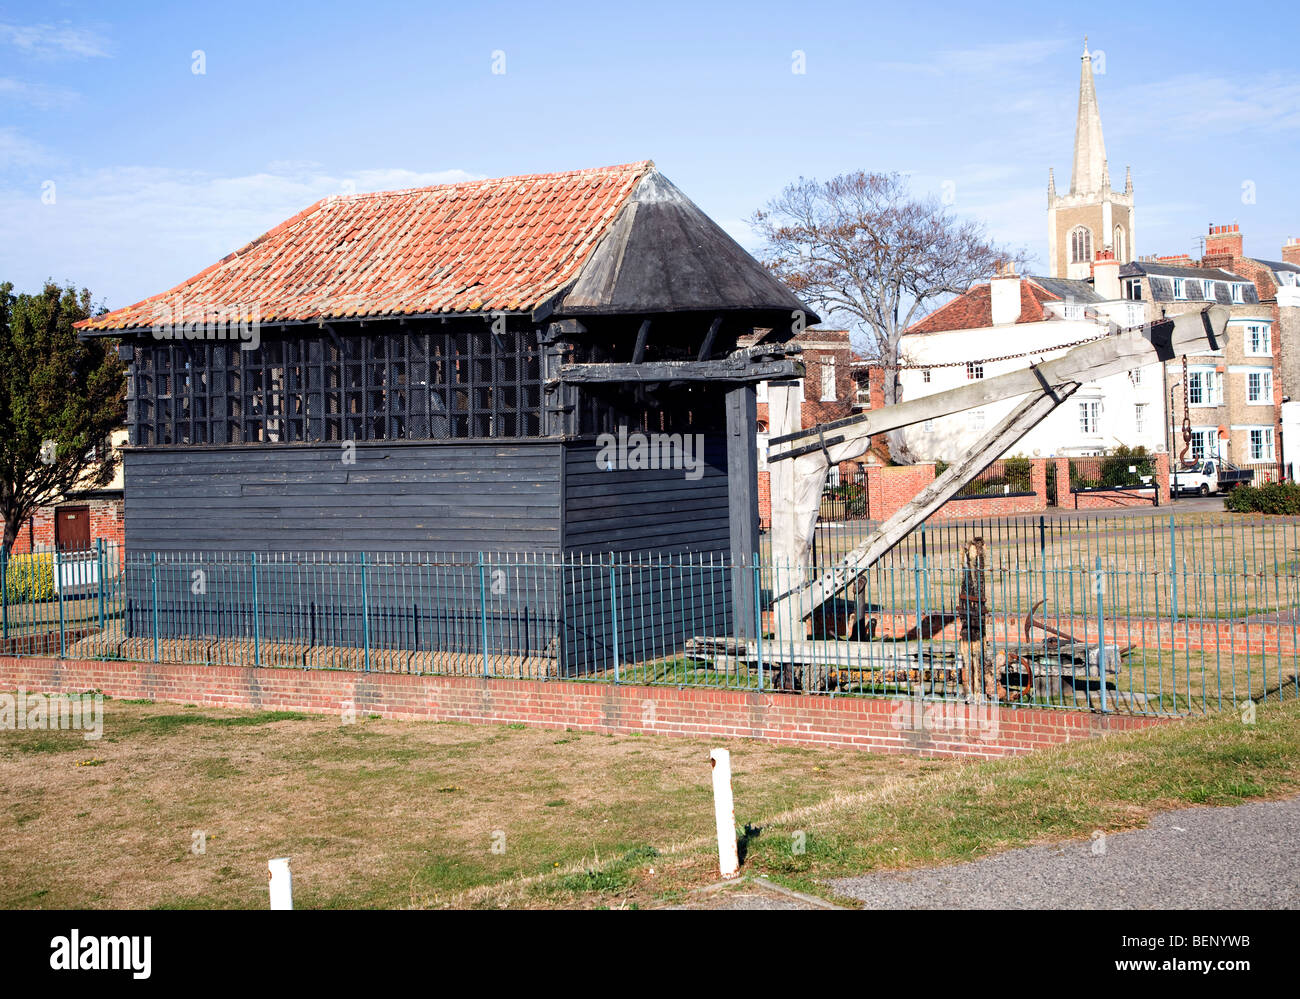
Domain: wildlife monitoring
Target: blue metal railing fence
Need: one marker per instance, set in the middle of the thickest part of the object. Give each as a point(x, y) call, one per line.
point(1153, 615)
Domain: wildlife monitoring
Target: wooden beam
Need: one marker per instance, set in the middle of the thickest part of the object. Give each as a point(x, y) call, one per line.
point(642, 335)
point(1111, 355)
point(742, 499)
point(1017, 423)
point(559, 401)
point(725, 370)
point(562, 329)
point(706, 348)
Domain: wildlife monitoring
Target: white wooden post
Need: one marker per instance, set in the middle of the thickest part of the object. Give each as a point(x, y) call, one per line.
point(724, 811)
point(789, 539)
point(281, 883)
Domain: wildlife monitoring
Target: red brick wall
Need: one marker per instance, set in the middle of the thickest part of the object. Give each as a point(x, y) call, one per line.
point(889, 487)
point(105, 522)
point(876, 724)
point(894, 486)
point(1067, 500)
point(1147, 633)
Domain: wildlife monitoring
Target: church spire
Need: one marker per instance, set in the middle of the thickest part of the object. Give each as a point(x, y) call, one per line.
point(1089, 147)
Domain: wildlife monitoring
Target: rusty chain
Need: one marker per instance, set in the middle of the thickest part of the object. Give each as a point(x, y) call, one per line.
point(1187, 423)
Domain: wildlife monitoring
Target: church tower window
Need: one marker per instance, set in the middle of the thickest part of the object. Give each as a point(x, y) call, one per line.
point(1080, 245)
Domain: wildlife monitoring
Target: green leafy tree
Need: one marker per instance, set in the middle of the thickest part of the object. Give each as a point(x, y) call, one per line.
point(60, 400)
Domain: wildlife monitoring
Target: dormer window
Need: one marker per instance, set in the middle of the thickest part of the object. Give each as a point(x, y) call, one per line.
point(1238, 294)
point(1180, 287)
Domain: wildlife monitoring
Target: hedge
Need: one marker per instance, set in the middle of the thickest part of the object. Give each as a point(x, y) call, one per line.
point(29, 577)
point(1275, 498)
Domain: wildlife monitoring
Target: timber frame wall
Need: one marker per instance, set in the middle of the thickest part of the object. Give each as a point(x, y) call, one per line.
point(419, 437)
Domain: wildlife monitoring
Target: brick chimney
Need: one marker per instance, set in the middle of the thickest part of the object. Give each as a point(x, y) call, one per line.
point(1105, 275)
point(1291, 252)
point(1004, 296)
point(1223, 246)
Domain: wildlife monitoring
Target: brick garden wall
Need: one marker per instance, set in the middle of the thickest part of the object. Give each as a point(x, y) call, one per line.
point(1067, 500)
point(879, 725)
point(889, 487)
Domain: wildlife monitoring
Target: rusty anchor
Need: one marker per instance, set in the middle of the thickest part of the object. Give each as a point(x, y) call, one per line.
point(1030, 624)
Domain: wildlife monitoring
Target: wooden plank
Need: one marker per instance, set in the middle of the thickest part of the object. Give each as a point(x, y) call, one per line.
point(1017, 423)
point(1162, 341)
point(742, 496)
point(642, 335)
point(706, 348)
point(677, 371)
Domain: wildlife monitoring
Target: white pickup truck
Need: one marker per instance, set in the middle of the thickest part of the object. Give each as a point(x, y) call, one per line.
point(1203, 479)
point(1210, 476)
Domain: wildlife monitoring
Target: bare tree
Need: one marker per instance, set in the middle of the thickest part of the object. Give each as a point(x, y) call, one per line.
point(860, 245)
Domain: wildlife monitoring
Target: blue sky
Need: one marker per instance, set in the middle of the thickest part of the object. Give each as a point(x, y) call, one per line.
point(123, 170)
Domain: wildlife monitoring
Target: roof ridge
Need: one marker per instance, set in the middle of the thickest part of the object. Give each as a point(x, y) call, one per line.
point(1045, 291)
point(641, 166)
point(946, 305)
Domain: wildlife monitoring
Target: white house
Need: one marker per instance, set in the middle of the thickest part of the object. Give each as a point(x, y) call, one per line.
point(1008, 324)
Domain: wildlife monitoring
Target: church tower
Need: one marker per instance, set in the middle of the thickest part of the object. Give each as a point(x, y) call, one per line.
point(1091, 217)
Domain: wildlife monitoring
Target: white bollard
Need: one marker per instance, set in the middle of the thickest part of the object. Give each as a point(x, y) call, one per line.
point(724, 811)
point(281, 883)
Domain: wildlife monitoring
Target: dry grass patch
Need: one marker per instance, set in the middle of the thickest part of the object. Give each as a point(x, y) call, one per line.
point(379, 813)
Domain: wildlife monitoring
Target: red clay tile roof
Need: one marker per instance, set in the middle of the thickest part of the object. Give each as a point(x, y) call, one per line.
point(974, 310)
point(507, 244)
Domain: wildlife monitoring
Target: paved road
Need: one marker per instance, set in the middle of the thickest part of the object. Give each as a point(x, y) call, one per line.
point(1197, 858)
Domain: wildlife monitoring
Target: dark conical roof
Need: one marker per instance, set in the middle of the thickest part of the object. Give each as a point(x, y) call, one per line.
point(662, 254)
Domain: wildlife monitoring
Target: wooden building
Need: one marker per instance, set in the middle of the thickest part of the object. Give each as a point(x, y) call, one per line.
point(386, 373)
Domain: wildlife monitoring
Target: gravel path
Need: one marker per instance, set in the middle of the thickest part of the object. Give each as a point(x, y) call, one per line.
point(1242, 857)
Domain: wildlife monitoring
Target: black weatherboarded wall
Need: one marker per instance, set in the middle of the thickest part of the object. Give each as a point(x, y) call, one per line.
point(449, 497)
point(278, 535)
point(278, 532)
point(669, 538)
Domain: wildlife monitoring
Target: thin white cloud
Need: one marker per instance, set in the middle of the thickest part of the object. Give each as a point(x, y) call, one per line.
point(36, 95)
point(130, 232)
point(997, 58)
point(55, 41)
point(1199, 105)
point(19, 151)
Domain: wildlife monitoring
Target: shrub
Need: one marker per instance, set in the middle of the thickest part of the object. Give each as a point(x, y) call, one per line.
point(29, 577)
point(1115, 467)
point(1282, 498)
point(1017, 472)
